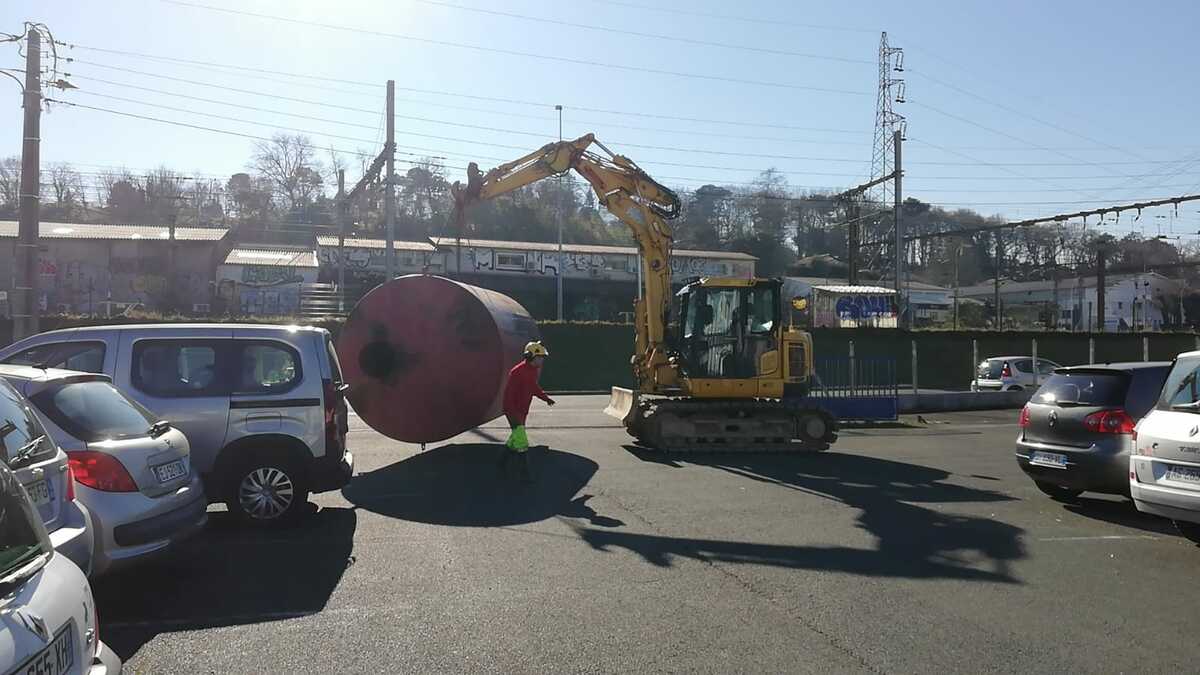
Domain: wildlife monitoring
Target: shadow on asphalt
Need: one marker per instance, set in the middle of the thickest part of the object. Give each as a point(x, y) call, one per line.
point(228, 575)
point(1120, 512)
point(891, 497)
point(463, 485)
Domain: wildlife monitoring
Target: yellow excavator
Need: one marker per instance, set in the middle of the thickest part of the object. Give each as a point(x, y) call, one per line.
point(728, 375)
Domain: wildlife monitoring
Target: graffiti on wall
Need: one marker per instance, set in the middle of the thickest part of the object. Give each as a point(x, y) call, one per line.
point(375, 259)
point(856, 307)
point(269, 275)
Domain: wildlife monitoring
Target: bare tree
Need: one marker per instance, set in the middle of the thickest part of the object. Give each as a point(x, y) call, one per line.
point(10, 182)
point(291, 166)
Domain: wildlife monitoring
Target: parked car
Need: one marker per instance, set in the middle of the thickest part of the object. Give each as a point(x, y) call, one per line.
point(263, 407)
point(132, 470)
point(42, 467)
point(1077, 431)
point(1164, 470)
point(1011, 373)
point(48, 620)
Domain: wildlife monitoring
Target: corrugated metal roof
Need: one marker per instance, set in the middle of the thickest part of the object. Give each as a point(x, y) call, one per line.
point(356, 242)
point(1064, 285)
point(856, 290)
point(585, 248)
point(9, 228)
point(272, 257)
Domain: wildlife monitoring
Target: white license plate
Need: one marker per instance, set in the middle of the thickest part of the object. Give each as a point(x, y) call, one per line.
point(58, 657)
point(1048, 459)
point(1183, 473)
point(39, 492)
point(170, 471)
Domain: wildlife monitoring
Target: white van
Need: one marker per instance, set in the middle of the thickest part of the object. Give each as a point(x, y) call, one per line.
point(263, 407)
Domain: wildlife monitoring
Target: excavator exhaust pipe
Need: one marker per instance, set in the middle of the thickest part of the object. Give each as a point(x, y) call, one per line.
point(621, 404)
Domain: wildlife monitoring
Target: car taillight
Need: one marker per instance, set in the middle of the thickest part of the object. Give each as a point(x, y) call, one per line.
point(1023, 421)
point(332, 440)
point(101, 472)
point(1109, 422)
point(70, 483)
point(1006, 371)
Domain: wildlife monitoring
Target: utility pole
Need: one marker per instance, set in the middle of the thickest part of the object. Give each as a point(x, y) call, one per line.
point(957, 254)
point(1101, 263)
point(896, 200)
point(25, 309)
point(852, 244)
point(996, 290)
point(389, 206)
point(341, 199)
point(559, 216)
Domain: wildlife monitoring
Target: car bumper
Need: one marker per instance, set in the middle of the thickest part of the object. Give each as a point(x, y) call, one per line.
point(106, 662)
point(74, 538)
point(332, 475)
point(1165, 501)
point(1094, 469)
point(132, 527)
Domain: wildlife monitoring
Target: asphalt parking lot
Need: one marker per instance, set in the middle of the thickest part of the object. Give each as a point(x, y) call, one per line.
point(903, 549)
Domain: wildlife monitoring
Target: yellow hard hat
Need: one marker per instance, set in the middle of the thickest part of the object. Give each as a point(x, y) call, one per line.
point(536, 349)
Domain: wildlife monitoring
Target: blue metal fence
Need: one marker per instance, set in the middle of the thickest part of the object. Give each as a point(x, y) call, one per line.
point(857, 388)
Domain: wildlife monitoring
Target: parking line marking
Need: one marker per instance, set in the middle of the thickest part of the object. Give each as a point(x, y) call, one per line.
point(1107, 537)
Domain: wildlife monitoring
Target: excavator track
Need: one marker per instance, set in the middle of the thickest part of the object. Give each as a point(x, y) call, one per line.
point(687, 425)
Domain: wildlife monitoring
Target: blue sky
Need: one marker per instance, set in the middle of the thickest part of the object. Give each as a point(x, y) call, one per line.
point(1092, 93)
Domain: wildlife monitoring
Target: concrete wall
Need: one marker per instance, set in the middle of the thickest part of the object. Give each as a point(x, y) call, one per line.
point(79, 275)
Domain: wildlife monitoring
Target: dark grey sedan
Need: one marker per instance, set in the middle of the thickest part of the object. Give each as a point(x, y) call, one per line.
point(1077, 430)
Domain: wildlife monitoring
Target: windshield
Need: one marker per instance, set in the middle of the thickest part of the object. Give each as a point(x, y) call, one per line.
point(22, 537)
point(1182, 387)
point(94, 411)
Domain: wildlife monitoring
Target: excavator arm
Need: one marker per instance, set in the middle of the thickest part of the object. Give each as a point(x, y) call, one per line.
point(634, 198)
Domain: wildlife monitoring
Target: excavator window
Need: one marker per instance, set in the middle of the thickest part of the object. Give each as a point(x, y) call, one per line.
point(726, 330)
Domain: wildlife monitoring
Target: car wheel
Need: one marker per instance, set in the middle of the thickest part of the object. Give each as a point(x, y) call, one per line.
point(1057, 492)
point(1189, 530)
point(268, 488)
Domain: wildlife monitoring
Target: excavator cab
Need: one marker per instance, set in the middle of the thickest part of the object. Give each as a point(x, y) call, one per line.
point(726, 328)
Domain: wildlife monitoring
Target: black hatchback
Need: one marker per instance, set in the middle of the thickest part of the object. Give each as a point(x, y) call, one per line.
point(1077, 430)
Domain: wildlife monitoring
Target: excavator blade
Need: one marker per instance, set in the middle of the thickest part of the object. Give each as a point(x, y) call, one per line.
point(621, 404)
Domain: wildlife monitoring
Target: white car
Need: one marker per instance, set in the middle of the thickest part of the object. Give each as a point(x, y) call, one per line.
point(1011, 373)
point(132, 470)
point(1164, 469)
point(48, 621)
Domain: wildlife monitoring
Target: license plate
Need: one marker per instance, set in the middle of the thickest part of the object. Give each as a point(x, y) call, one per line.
point(170, 471)
point(1048, 459)
point(58, 657)
point(1183, 473)
point(39, 492)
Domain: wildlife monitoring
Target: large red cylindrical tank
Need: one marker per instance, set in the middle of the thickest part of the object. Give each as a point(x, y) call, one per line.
point(427, 358)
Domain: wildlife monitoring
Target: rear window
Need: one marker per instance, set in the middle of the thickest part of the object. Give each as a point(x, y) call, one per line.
point(94, 411)
point(1183, 386)
point(1090, 389)
point(991, 370)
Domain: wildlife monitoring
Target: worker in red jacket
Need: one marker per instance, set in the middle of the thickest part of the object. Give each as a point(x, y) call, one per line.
point(518, 394)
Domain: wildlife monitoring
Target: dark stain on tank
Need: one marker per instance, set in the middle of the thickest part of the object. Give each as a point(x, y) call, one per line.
point(381, 359)
point(471, 322)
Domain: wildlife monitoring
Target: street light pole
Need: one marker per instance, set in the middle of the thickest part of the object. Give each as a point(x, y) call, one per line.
point(559, 217)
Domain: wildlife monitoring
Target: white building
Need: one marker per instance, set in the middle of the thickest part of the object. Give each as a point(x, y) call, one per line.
point(1145, 301)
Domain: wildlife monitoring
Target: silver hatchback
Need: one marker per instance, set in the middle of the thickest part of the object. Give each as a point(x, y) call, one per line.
point(132, 470)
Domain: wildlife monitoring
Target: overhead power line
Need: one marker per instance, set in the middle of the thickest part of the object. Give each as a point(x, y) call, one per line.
point(653, 36)
point(513, 52)
point(435, 92)
point(769, 21)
